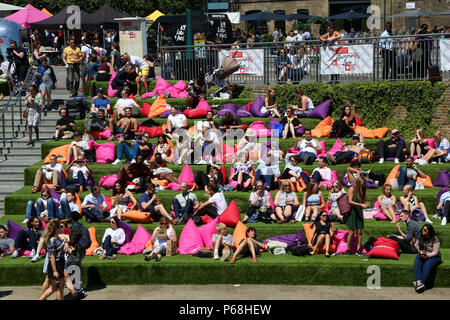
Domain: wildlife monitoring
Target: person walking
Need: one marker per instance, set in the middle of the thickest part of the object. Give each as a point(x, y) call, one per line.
point(72, 58)
point(33, 112)
point(47, 83)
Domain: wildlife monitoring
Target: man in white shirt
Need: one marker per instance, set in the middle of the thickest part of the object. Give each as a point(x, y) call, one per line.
point(68, 205)
point(143, 70)
point(184, 204)
point(176, 121)
point(94, 206)
point(387, 50)
point(309, 148)
point(124, 102)
point(290, 39)
point(322, 172)
point(214, 207)
point(86, 50)
point(48, 174)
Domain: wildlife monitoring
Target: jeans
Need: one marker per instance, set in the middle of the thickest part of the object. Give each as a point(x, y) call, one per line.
point(64, 210)
point(423, 267)
point(268, 179)
point(95, 215)
point(74, 77)
point(402, 179)
point(312, 156)
point(33, 211)
point(188, 209)
point(446, 209)
point(80, 179)
point(130, 153)
point(26, 240)
point(110, 248)
point(316, 177)
point(396, 152)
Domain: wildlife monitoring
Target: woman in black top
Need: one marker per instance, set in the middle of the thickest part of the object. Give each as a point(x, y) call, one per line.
point(291, 123)
point(345, 127)
point(28, 240)
point(322, 232)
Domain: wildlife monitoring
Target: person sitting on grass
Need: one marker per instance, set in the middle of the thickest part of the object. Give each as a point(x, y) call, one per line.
point(406, 240)
point(440, 153)
point(48, 174)
point(77, 147)
point(68, 205)
point(214, 207)
point(80, 173)
point(163, 147)
point(243, 172)
point(65, 126)
point(292, 170)
point(230, 121)
point(100, 102)
point(408, 174)
point(444, 205)
point(429, 256)
point(305, 104)
point(149, 202)
point(259, 202)
point(184, 204)
point(285, 202)
point(309, 148)
point(419, 144)
point(99, 123)
point(112, 239)
point(350, 152)
point(322, 172)
point(44, 207)
point(313, 201)
point(6, 244)
point(336, 192)
point(29, 239)
point(393, 147)
point(268, 171)
point(161, 235)
point(222, 243)
point(124, 102)
point(213, 173)
point(94, 206)
point(251, 245)
point(159, 170)
point(137, 173)
point(322, 232)
point(411, 203)
point(120, 199)
point(270, 104)
point(125, 125)
point(175, 121)
point(345, 127)
point(387, 202)
point(291, 124)
point(142, 147)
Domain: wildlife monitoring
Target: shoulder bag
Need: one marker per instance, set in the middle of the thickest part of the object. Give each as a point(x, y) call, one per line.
point(343, 204)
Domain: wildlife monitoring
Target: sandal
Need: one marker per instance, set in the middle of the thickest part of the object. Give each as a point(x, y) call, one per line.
point(327, 255)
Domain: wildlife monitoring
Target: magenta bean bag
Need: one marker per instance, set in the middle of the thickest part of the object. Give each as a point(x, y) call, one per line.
point(323, 151)
point(320, 111)
point(180, 85)
point(338, 145)
point(334, 178)
point(341, 238)
point(206, 232)
point(260, 129)
point(161, 85)
point(442, 179)
point(105, 152)
point(203, 105)
point(431, 143)
point(108, 181)
point(190, 239)
point(137, 244)
point(111, 91)
point(293, 150)
point(256, 106)
point(187, 175)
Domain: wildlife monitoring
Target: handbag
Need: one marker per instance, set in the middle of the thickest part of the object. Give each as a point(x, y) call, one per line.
point(171, 248)
point(299, 214)
point(25, 113)
point(343, 205)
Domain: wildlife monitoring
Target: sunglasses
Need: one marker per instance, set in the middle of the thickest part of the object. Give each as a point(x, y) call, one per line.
point(62, 226)
point(112, 221)
point(164, 224)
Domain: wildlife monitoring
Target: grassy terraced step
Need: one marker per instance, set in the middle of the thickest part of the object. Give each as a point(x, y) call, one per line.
point(271, 269)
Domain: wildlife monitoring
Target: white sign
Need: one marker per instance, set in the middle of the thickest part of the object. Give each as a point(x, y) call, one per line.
point(346, 59)
point(445, 54)
point(250, 61)
point(410, 5)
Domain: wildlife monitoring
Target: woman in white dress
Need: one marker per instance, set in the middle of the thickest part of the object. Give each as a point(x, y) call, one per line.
point(33, 112)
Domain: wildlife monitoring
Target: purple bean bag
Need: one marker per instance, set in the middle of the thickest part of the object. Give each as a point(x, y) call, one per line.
point(256, 106)
point(13, 229)
point(276, 127)
point(300, 131)
point(442, 179)
point(243, 113)
point(290, 239)
point(127, 229)
point(320, 111)
point(222, 113)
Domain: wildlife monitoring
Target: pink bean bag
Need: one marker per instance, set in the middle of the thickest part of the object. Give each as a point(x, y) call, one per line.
point(105, 134)
point(341, 238)
point(206, 232)
point(334, 178)
point(338, 145)
point(173, 186)
point(187, 175)
point(260, 129)
point(137, 244)
point(111, 91)
point(105, 152)
point(108, 181)
point(190, 239)
point(203, 105)
point(323, 151)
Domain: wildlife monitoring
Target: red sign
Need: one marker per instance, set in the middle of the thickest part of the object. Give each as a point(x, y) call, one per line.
point(342, 50)
point(237, 55)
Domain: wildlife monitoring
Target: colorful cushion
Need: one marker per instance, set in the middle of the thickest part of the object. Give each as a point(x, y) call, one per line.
point(427, 183)
point(14, 229)
point(162, 84)
point(61, 153)
point(222, 113)
point(358, 121)
point(152, 131)
point(377, 133)
point(105, 134)
point(111, 91)
point(256, 106)
point(206, 231)
point(195, 113)
point(300, 131)
point(180, 85)
point(384, 248)
point(260, 130)
point(243, 112)
point(166, 114)
point(392, 174)
point(137, 216)
point(173, 186)
point(145, 110)
point(239, 233)
point(127, 229)
point(108, 181)
point(203, 105)
point(341, 242)
point(231, 215)
point(442, 179)
point(229, 106)
point(227, 152)
point(158, 107)
point(320, 111)
point(322, 146)
point(323, 128)
point(336, 147)
point(94, 243)
point(187, 175)
point(431, 143)
point(276, 127)
point(105, 152)
point(137, 244)
point(190, 239)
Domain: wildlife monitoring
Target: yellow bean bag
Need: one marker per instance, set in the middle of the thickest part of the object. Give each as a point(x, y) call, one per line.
point(427, 183)
point(308, 227)
point(323, 128)
point(94, 243)
point(158, 107)
point(138, 216)
point(61, 153)
point(377, 133)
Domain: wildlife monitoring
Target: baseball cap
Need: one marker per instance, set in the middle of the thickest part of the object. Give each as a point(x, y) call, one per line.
point(394, 131)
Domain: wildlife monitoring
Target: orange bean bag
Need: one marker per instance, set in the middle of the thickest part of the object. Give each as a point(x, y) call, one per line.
point(323, 128)
point(427, 183)
point(377, 133)
point(138, 216)
point(158, 107)
point(239, 233)
point(161, 183)
point(94, 243)
point(308, 231)
point(299, 186)
point(61, 153)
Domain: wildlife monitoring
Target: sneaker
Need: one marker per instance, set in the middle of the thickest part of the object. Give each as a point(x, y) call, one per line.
point(15, 254)
point(436, 216)
point(347, 253)
point(157, 257)
point(216, 255)
point(359, 253)
point(25, 221)
point(99, 252)
point(396, 161)
point(34, 190)
point(80, 295)
point(133, 161)
point(202, 162)
point(420, 287)
point(444, 221)
point(116, 162)
point(381, 160)
point(434, 162)
point(148, 257)
point(36, 258)
point(113, 257)
point(32, 254)
point(225, 255)
point(428, 221)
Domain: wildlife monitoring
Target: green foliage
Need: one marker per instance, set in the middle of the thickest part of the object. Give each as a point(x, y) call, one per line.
point(247, 93)
point(376, 102)
point(266, 38)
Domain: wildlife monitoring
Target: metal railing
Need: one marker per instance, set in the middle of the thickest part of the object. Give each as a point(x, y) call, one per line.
point(406, 57)
point(11, 114)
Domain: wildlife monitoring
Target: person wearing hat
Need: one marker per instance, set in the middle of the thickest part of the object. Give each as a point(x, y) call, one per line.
point(100, 102)
point(79, 146)
point(394, 147)
point(350, 152)
point(6, 244)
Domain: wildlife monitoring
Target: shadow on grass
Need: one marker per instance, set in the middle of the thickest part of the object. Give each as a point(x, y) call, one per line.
point(5, 293)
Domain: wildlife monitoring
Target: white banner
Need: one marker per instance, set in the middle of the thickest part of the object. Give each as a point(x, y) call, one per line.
point(346, 59)
point(250, 61)
point(445, 54)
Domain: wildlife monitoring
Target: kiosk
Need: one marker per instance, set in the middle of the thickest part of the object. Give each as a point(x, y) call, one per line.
point(133, 36)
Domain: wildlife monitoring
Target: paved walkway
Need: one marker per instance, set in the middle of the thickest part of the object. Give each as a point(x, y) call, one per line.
point(236, 292)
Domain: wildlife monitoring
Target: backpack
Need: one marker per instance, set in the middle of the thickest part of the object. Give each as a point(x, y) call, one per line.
point(366, 156)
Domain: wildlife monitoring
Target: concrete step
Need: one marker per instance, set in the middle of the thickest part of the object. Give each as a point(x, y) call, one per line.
point(6, 181)
point(5, 190)
point(17, 175)
point(23, 156)
point(16, 165)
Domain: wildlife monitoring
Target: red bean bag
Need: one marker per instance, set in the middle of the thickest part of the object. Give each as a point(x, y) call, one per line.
point(145, 110)
point(384, 248)
point(231, 215)
point(195, 113)
point(152, 131)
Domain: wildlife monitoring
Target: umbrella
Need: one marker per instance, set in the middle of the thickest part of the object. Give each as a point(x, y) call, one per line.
point(263, 16)
point(9, 7)
point(297, 16)
point(25, 17)
point(349, 16)
point(47, 12)
point(153, 16)
point(414, 14)
point(59, 19)
point(104, 16)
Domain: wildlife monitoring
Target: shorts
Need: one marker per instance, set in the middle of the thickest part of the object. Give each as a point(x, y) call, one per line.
point(144, 71)
point(245, 176)
point(59, 267)
point(161, 247)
